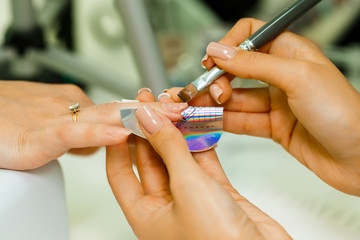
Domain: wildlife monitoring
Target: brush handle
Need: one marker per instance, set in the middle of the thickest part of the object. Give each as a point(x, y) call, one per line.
point(280, 22)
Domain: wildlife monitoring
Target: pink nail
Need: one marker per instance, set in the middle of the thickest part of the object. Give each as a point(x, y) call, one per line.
point(174, 107)
point(219, 50)
point(144, 89)
point(216, 92)
point(151, 122)
point(206, 57)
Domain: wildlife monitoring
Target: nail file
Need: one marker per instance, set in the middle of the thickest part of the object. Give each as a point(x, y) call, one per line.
point(201, 126)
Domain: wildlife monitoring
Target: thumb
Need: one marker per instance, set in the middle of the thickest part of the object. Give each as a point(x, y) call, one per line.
point(167, 140)
point(271, 69)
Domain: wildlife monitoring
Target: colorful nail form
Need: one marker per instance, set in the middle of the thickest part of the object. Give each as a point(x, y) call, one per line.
point(201, 126)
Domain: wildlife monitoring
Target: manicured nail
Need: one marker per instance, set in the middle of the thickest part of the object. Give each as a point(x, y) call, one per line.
point(220, 50)
point(118, 132)
point(144, 89)
point(149, 119)
point(163, 95)
point(216, 92)
point(206, 57)
point(165, 90)
point(174, 107)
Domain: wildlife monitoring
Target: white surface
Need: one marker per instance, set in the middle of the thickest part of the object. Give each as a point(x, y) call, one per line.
point(32, 204)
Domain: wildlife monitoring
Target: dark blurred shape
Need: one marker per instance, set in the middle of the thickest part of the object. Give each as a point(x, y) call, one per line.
point(231, 11)
point(65, 26)
point(22, 40)
point(352, 35)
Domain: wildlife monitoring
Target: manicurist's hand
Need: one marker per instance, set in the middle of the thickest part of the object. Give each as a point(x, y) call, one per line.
point(36, 126)
point(309, 107)
point(181, 195)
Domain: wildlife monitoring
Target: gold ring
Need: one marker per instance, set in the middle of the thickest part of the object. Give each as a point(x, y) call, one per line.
point(74, 110)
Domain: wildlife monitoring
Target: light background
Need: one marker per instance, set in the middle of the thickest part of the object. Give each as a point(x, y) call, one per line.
point(260, 169)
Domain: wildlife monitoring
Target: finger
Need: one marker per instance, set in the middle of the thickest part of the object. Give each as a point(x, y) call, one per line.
point(152, 171)
point(122, 179)
point(145, 95)
point(252, 100)
point(253, 124)
point(174, 93)
point(62, 137)
point(230, 58)
point(243, 29)
point(210, 163)
point(167, 140)
point(109, 113)
point(165, 98)
point(207, 62)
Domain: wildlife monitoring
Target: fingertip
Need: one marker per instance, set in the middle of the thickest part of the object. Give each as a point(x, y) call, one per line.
point(145, 95)
point(207, 62)
point(174, 94)
point(165, 97)
point(220, 90)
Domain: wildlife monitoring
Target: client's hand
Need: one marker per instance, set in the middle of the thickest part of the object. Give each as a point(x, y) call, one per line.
point(309, 107)
point(181, 195)
point(36, 126)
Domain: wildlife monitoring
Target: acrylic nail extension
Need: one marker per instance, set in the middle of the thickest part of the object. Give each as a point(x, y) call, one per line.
point(206, 57)
point(174, 107)
point(144, 89)
point(216, 92)
point(163, 95)
point(222, 51)
point(151, 122)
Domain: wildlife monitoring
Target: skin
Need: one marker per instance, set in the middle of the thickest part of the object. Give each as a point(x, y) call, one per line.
point(36, 126)
point(308, 108)
point(181, 195)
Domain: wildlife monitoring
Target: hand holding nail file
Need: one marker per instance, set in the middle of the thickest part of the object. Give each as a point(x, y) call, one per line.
point(264, 35)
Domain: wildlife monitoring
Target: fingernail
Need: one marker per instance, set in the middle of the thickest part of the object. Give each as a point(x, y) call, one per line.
point(206, 57)
point(216, 92)
point(163, 95)
point(174, 107)
point(144, 89)
point(149, 119)
point(118, 132)
point(220, 50)
point(165, 90)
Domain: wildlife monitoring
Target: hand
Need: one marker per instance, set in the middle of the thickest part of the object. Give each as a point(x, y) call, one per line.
point(180, 195)
point(309, 106)
point(36, 126)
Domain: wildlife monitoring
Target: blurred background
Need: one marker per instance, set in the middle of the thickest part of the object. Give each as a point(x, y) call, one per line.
point(113, 48)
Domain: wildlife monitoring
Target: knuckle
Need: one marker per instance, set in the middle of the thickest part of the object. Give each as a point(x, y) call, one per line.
point(306, 70)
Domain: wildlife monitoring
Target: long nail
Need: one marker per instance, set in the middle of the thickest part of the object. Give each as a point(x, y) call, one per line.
point(118, 132)
point(149, 119)
point(216, 92)
point(144, 89)
point(206, 57)
point(174, 107)
point(163, 95)
point(219, 50)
